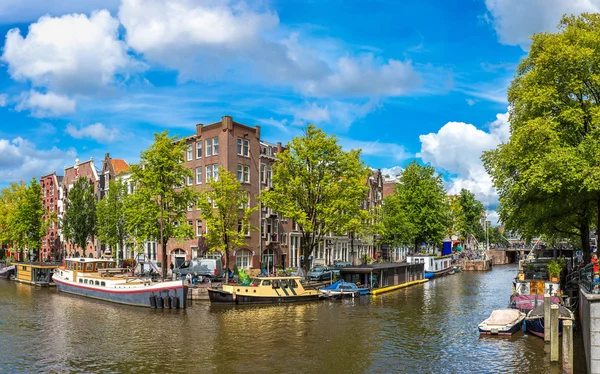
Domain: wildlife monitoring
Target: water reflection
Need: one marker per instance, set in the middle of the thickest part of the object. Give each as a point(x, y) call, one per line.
point(429, 328)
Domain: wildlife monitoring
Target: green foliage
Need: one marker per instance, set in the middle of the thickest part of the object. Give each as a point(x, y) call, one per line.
point(157, 208)
point(10, 198)
point(110, 216)
point(79, 221)
point(26, 224)
point(548, 174)
point(223, 207)
point(418, 210)
point(465, 216)
point(319, 186)
point(554, 268)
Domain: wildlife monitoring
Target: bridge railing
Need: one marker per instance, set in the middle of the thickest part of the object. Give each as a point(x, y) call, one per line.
point(586, 279)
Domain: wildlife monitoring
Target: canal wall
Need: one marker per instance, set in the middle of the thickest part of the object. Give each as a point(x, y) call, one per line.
point(502, 257)
point(589, 316)
point(477, 265)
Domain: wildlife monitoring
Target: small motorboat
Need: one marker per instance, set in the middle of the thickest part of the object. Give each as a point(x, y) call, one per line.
point(341, 288)
point(7, 272)
point(534, 322)
point(502, 322)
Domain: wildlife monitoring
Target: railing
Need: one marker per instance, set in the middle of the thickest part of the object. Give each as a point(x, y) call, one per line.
point(586, 279)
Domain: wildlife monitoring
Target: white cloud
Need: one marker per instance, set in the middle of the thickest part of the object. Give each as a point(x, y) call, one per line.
point(471, 102)
point(457, 148)
point(392, 172)
point(20, 11)
point(45, 105)
point(70, 54)
point(3, 99)
point(341, 114)
point(312, 113)
point(516, 20)
point(21, 160)
point(376, 148)
point(204, 40)
point(96, 131)
point(366, 76)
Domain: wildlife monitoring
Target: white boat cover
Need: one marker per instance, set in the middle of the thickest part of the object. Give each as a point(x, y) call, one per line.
point(503, 317)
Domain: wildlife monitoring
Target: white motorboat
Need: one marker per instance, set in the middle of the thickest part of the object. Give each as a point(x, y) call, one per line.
point(502, 322)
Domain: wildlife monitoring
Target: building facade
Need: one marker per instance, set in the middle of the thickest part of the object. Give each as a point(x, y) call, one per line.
point(52, 204)
point(87, 170)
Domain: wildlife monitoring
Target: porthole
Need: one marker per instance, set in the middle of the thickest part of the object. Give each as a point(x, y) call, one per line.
point(246, 290)
point(103, 284)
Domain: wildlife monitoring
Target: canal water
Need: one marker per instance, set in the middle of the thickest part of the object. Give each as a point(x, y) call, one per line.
point(430, 328)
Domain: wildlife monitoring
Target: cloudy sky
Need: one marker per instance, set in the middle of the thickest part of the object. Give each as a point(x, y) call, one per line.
point(403, 80)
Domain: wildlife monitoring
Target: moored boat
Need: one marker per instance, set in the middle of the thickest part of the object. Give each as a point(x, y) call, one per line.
point(530, 285)
point(35, 273)
point(434, 266)
point(341, 288)
point(263, 290)
point(7, 272)
point(100, 279)
point(502, 322)
point(534, 322)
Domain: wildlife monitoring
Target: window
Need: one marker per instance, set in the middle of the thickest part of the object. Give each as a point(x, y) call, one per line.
point(283, 238)
point(190, 154)
point(262, 173)
point(243, 173)
point(199, 149)
point(243, 259)
point(209, 148)
point(198, 227)
point(215, 168)
point(103, 284)
point(243, 147)
point(208, 173)
point(190, 180)
point(269, 172)
point(191, 223)
point(212, 146)
point(244, 229)
point(199, 175)
point(246, 205)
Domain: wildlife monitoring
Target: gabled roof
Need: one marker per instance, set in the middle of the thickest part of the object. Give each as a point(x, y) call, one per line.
point(119, 166)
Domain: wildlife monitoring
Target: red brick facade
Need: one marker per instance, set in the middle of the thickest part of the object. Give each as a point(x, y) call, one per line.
point(51, 244)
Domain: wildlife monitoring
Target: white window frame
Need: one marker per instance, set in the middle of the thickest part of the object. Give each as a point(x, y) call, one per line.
point(243, 259)
point(190, 153)
point(215, 173)
point(208, 147)
point(215, 145)
point(246, 174)
point(199, 175)
point(208, 173)
point(240, 146)
point(190, 180)
point(199, 149)
point(198, 227)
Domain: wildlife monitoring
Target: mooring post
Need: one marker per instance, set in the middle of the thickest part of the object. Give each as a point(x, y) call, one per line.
point(554, 333)
point(567, 347)
point(547, 304)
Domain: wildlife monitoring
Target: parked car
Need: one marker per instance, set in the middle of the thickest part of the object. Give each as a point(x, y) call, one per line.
point(320, 273)
point(341, 264)
point(205, 267)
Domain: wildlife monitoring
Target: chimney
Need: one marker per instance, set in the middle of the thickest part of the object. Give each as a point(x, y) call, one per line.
point(227, 122)
point(199, 129)
point(257, 132)
point(106, 156)
point(279, 147)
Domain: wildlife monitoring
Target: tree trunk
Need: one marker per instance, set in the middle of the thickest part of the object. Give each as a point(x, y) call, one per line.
point(162, 243)
point(416, 245)
point(585, 241)
point(598, 227)
point(352, 247)
point(226, 262)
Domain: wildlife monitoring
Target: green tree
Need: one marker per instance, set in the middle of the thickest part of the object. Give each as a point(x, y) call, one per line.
point(548, 173)
point(157, 208)
point(79, 221)
point(110, 216)
point(314, 183)
point(9, 198)
point(226, 210)
point(417, 212)
point(28, 219)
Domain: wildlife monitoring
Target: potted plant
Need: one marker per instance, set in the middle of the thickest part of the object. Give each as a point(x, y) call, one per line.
point(554, 270)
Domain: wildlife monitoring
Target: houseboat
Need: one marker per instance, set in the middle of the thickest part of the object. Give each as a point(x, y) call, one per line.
point(263, 290)
point(435, 266)
point(35, 273)
point(101, 279)
point(531, 283)
point(384, 277)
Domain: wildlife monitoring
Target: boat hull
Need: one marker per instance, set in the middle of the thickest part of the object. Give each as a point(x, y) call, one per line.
point(492, 331)
point(536, 327)
point(223, 297)
point(127, 297)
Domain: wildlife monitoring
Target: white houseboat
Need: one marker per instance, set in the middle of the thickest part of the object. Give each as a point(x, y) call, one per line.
point(100, 279)
point(435, 266)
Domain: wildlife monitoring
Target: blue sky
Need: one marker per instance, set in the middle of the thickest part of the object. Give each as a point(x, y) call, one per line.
point(402, 80)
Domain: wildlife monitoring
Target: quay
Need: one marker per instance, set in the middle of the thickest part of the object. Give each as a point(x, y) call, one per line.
point(477, 265)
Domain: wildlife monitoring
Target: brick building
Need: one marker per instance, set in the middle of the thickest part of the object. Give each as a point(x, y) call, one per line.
point(52, 203)
point(72, 173)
